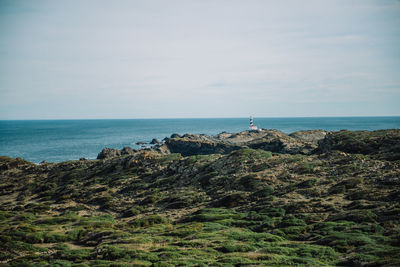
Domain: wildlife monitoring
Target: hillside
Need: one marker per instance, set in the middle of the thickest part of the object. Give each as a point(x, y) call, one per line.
point(311, 198)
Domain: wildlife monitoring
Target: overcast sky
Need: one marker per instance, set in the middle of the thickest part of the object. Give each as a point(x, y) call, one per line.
point(200, 58)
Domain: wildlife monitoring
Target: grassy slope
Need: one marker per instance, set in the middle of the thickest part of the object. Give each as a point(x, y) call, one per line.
point(246, 208)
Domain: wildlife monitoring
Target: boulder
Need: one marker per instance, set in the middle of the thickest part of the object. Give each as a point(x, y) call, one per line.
point(109, 153)
point(162, 149)
point(128, 151)
point(175, 135)
point(309, 136)
point(154, 141)
point(189, 147)
point(279, 142)
point(141, 143)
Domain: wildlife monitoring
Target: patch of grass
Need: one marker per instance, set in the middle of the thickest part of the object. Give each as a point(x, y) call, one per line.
point(167, 159)
point(308, 183)
point(251, 237)
point(305, 168)
point(68, 217)
point(91, 222)
point(345, 241)
point(214, 215)
point(264, 192)
point(75, 255)
point(133, 211)
point(149, 221)
point(249, 182)
point(271, 211)
point(249, 153)
point(236, 247)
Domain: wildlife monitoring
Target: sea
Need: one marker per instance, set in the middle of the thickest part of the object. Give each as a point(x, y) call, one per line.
point(63, 140)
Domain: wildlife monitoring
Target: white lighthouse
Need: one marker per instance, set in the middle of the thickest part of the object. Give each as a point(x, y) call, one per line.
point(252, 126)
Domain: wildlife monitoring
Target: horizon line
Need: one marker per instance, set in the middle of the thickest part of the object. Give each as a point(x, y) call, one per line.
point(188, 118)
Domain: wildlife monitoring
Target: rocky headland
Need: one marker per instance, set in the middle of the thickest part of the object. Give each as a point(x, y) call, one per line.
point(381, 143)
point(255, 198)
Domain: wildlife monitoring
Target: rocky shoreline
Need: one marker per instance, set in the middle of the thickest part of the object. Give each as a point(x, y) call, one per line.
point(381, 143)
point(309, 198)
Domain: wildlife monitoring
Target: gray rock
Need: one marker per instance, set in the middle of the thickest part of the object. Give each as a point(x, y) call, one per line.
point(128, 151)
point(188, 146)
point(109, 153)
point(309, 136)
point(303, 142)
point(380, 144)
point(154, 141)
point(141, 143)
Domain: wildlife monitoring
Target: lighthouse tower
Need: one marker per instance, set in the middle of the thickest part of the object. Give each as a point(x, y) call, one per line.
point(252, 126)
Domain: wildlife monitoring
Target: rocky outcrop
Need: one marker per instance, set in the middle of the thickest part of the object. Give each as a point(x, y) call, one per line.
point(303, 142)
point(7, 163)
point(112, 152)
point(128, 151)
point(141, 143)
point(279, 142)
point(109, 153)
point(189, 147)
point(381, 144)
point(312, 136)
point(154, 141)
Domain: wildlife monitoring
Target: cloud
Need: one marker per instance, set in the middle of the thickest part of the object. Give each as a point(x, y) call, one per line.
point(191, 58)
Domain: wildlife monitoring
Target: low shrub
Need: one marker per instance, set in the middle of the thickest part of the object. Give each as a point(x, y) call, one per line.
point(103, 221)
point(264, 192)
point(133, 211)
point(149, 221)
point(232, 247)
point(291, 221)
point(74, 254)
point(308, 183)
point(249, 182)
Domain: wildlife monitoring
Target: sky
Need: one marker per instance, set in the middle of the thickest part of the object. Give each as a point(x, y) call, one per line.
point(198, 59)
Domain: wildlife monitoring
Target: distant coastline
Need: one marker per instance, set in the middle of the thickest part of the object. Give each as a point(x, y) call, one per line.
point(61, 140)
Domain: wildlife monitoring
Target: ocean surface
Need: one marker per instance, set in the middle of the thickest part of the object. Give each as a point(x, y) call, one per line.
point(61, 140)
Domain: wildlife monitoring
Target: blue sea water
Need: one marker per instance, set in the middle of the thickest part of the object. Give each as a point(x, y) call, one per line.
point(61, 140)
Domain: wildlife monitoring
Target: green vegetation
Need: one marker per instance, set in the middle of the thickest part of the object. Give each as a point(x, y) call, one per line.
point(249, 207)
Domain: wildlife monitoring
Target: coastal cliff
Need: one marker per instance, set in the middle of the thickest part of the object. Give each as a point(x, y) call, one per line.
point(310, 198)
